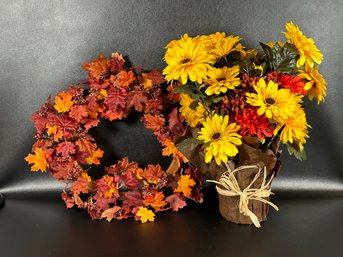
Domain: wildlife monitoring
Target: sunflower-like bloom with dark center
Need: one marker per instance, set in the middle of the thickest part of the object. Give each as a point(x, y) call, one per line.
point(220, 138)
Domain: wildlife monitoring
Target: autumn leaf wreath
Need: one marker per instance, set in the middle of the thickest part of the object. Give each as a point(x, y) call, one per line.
point(65, 146)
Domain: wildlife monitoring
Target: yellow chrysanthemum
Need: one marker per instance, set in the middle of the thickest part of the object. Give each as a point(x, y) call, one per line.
point(221, 79)
point(274, 103)
point(315, 85)
point(308, 51)
point(187, 60)
point(294, 130)
point(225, 46)
point(220, 138)
point(244, 53)
point(193, 117)
point(272, 44)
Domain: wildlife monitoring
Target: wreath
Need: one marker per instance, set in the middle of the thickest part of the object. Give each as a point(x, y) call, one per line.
point(65, 146)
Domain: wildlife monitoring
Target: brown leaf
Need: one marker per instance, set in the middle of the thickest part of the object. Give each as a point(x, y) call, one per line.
point(156, 77)
point(176, 202)
point(109, 213)
point(136, 99)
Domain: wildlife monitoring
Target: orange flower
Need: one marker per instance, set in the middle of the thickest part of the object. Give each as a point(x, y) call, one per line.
point(38, 160)
point(63, 102)
point(184, 185)
point(171, 149)
point(156, 201)
point(124, 79)
point(97, 67)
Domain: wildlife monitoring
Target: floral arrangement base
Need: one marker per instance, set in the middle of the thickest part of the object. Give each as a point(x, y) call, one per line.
point(229, 206)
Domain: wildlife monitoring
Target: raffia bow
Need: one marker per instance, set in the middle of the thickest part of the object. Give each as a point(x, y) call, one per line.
point(228, 186)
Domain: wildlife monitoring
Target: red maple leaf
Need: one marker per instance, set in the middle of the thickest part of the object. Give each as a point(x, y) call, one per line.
point(63, 121)
point(102, 203)
point(133, 199)
point(154, 105)
point(175, 202)
point(156, 77)
point(68, 200)
point(175, 122)
point(61, 170)
point(136, 99)
point(130, 181)
point(88, 123)
point(85, 146)
point(153, 122)
point(115, 100)
point(65, 148)
point(78, 112)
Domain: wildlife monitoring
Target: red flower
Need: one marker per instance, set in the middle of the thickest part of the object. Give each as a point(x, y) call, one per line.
point(293, 83)
point(253, 124)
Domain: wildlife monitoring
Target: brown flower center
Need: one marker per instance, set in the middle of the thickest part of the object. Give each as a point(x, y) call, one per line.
point(185, 60)
point(270, 101)
point(220, 79)
point(216, 135)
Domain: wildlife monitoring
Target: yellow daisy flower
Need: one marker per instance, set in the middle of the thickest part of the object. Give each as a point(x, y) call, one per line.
point(244, 53)
point(187, 60)
point(315, 85)
point(225, 46)
point(294, 130)
point(193, 117)
point(274, 103)
point(220, 138)
point(308, 51)
point(221, 79)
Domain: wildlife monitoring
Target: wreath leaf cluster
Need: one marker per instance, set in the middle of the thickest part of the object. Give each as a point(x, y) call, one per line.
point(65, 146)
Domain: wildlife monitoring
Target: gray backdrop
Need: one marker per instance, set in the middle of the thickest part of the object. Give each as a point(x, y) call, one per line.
point(44, 43)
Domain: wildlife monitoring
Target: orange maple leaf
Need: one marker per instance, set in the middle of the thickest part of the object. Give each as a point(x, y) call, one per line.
point(94, 157)
point(153, 122)
point(171, 149)
point(97, 67)
point(153, 173)
point(63, 102)
point(156, 201)
point(145, 215)
point(124, 79)
point(143, 79)
point(55, 132)
point(38, 160)
point(109, 213)
point(184, 185)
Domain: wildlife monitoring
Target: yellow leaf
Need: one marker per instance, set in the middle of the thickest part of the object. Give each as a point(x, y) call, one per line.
point(38, 160)
point(184, 185)
point(145, 215)
point(63, 102)
point(93, 159)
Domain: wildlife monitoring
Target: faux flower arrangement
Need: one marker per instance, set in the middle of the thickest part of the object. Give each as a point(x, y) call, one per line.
point(65, 146)
point(223, 116)
point(238, 105)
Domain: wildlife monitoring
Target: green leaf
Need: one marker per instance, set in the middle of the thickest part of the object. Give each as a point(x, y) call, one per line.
point(194, 105)
point(283, 59)
point(216, 99)
point(189, 89)
point(188, 143)
point(293, 150)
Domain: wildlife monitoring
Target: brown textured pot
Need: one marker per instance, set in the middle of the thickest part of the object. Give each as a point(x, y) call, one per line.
point(229, 205)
